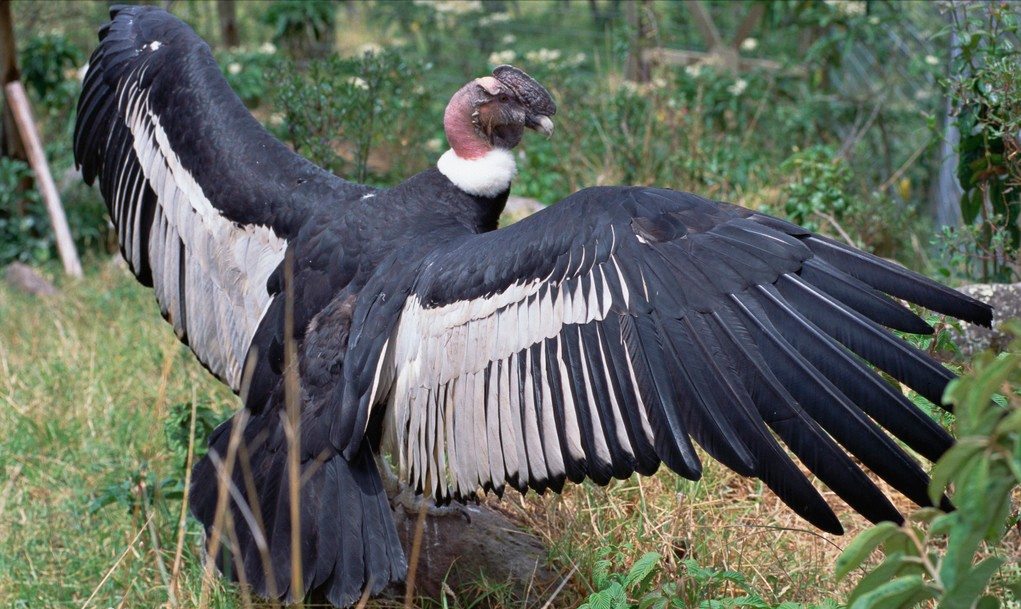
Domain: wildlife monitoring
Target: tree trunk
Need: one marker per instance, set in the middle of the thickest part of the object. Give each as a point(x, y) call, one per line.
point(228, 23)
point(948, 189)
point(10, 144)
point(638, 14)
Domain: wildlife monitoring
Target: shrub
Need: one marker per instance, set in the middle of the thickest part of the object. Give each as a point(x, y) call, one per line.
point(645, 585)
point(304, 27)
point(818, 186)
point(25, 233)
point(49, 69)
point(247, 70)
point(337, 111)
point(985, 93)
point(956, 558)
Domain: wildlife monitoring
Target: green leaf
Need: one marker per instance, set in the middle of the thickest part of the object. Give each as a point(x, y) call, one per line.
point(1014, 587)
point(893, 566)
point(862, 546)
point(971, 585)
point(972, 486)
point(951, 463)
point(900, 592)
point(926, 514)
point(971, 205)
point(752, 601)
point(979, 388)
point(902, 544)
point(643, 568)
point(988, 602)
point(962, 543)
point(612, 597)
point(943, 524)
point(1010, 423)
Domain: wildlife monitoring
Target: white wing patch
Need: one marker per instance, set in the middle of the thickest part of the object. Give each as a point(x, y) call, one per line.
point(472, 402)
point(219, 296)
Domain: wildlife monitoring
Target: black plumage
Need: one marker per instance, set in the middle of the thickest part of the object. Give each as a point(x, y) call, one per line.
point(600, 337)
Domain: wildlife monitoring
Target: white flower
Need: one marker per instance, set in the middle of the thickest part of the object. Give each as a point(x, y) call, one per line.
point(873, 20)
point(856, 8)
point(749, 44)
point(543, 55)
point(276, 119)
point(357, 82)
point(434, 144)
point(578, 59)
point(457, 7)
point(268, 48)
point(693, 70)
point(658, 83)
point(493, 18)
point(849, 8)
point(932, 60)
point(630, 86)
point(738, 87)
point(234, 68)
point(509, 39)
point(501, 57)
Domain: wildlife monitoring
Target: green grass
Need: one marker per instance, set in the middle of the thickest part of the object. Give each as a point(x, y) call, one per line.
point(86, 380)
point(91, 480)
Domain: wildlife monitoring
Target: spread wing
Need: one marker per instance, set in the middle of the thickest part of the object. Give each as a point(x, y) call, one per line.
point(203, 198)
point(600, 336)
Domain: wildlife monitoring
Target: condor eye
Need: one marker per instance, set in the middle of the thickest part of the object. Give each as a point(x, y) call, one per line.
point(504, 99)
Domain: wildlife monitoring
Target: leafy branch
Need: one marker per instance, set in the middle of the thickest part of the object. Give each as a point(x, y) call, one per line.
point(956, 558)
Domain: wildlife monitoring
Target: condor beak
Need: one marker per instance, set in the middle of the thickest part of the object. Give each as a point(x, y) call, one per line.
point(538, 103)
point(542, 124)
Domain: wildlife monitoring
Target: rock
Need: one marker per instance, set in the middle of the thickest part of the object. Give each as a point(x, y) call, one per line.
point(1005, 299)
point(25, 279)
point(518, 208)
point(473, 542)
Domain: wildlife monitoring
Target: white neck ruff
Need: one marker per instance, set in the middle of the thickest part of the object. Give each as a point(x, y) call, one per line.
point(486, 176)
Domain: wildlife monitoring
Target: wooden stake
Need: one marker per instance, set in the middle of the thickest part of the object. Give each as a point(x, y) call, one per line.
point(18, 102)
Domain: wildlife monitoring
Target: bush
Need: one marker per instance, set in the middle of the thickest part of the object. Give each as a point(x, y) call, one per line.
point(49, 69)
point(337, 111)
point(645, 585)
point(818, 187)
point(957, 559)
point(985, 93)
point(247, 70)
point(25, 233)
point(303, 27)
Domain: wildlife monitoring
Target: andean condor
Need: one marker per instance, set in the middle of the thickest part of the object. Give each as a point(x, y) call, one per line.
point(596, 338)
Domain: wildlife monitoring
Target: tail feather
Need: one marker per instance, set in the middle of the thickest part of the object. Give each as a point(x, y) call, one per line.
point(348, 539)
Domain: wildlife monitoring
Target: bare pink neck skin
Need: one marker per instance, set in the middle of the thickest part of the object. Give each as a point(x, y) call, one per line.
point(464, 140)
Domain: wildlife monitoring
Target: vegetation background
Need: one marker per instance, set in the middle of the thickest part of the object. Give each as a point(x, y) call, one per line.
point(892, 125)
